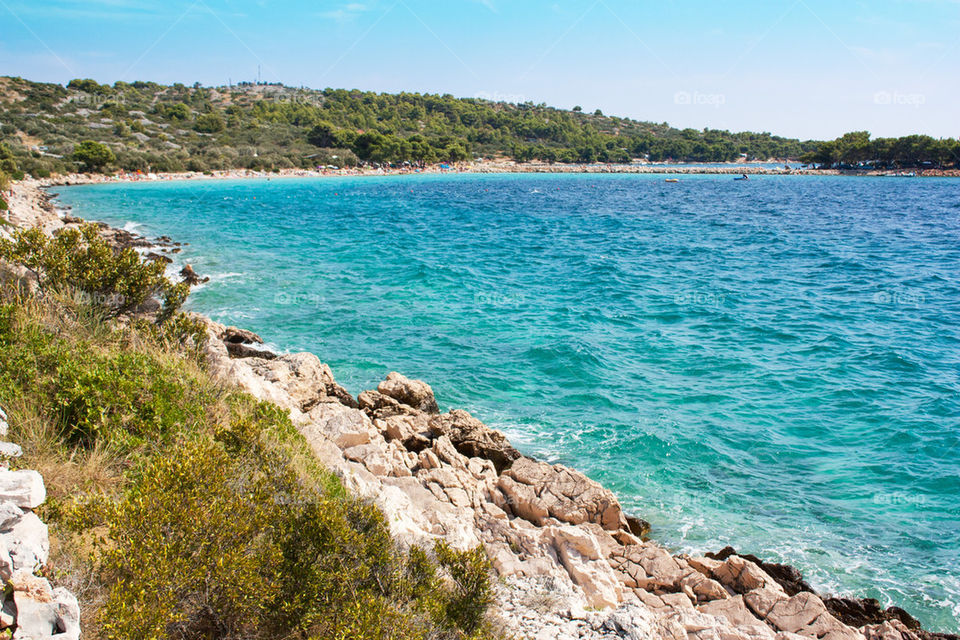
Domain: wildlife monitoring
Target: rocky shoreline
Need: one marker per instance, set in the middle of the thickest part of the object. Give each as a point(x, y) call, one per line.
point(571, 562)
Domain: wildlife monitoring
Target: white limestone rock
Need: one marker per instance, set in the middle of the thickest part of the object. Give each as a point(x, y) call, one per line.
point(23, 488)
point(27, 542)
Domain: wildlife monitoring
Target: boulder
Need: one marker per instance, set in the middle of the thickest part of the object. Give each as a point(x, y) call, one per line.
point(583, 560)
point(68, 614)
point(535, 488)
point(27, 543)
point(734, 610)
point(701, 588)
point(233, 335)
point(786, 576)
point(10, 514)
point(761, 601)
point(638, 527)
point(889, 630)
point(239, 343)
point(302, 378)
point(413, 393)
point(8, 614)
point(706, 566)
point(796, 613)
point(23, 488)
point(411, 430)
point(248, 351)
point(372, 456)
point(649, 567)
point(742, 575)
point(634, 622)
point(474, 439)
point(41, 612)
point(190, 276)
point(344, 426)
point(858, 612)
point(10, 450)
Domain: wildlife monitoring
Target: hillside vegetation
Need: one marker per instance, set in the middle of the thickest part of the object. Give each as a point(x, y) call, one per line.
point(144, 126)
point(184, 509)
point(150, 127)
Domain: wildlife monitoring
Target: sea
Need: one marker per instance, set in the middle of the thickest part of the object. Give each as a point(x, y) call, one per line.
point(772, 363)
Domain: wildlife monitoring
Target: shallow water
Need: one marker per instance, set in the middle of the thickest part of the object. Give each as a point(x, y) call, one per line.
point(772, 364)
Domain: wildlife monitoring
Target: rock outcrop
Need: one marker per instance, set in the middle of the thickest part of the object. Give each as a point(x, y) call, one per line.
point(571, 563)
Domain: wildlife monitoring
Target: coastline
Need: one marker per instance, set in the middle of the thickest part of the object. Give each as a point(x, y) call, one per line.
point(548, 529)
point(492, 167)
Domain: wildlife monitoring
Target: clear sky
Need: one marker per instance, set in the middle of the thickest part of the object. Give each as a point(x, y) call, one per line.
point(803, 68)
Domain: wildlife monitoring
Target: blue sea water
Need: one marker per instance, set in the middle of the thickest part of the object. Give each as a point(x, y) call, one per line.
point(772, 364)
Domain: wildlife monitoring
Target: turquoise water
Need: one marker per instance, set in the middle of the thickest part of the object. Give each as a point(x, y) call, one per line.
point(772, 364)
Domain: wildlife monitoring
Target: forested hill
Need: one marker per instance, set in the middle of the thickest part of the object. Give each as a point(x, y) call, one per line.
point(148, 126)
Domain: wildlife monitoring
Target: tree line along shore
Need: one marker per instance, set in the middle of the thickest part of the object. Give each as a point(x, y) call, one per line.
point(48, 129)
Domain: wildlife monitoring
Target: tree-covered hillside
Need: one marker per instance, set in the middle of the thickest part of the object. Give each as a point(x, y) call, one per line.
point(147, 126)
point(150, 127)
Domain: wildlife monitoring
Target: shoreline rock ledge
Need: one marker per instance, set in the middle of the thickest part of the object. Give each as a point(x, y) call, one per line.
point(571, 563)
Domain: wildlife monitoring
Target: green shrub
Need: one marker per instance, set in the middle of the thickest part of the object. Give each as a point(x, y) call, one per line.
point(114, 281)
point(209, 123)
point(93, 156)
point(465, 605)
point(124, 397)
point(220, 537)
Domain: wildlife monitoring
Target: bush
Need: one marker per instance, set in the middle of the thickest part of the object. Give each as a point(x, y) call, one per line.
point(465, 605)
point(114, 281)
point(209, 123)
point(94, 156)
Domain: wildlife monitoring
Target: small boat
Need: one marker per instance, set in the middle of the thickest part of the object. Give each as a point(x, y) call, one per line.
point(742, 178)
point(671, 180)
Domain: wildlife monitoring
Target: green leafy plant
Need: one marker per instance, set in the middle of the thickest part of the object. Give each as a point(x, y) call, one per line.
point(114, 281)
point(93, 156)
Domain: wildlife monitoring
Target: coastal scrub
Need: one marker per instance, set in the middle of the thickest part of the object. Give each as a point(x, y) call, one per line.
point(182, 508)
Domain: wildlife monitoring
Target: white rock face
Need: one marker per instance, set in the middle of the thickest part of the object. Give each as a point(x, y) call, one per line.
point(23, 488)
